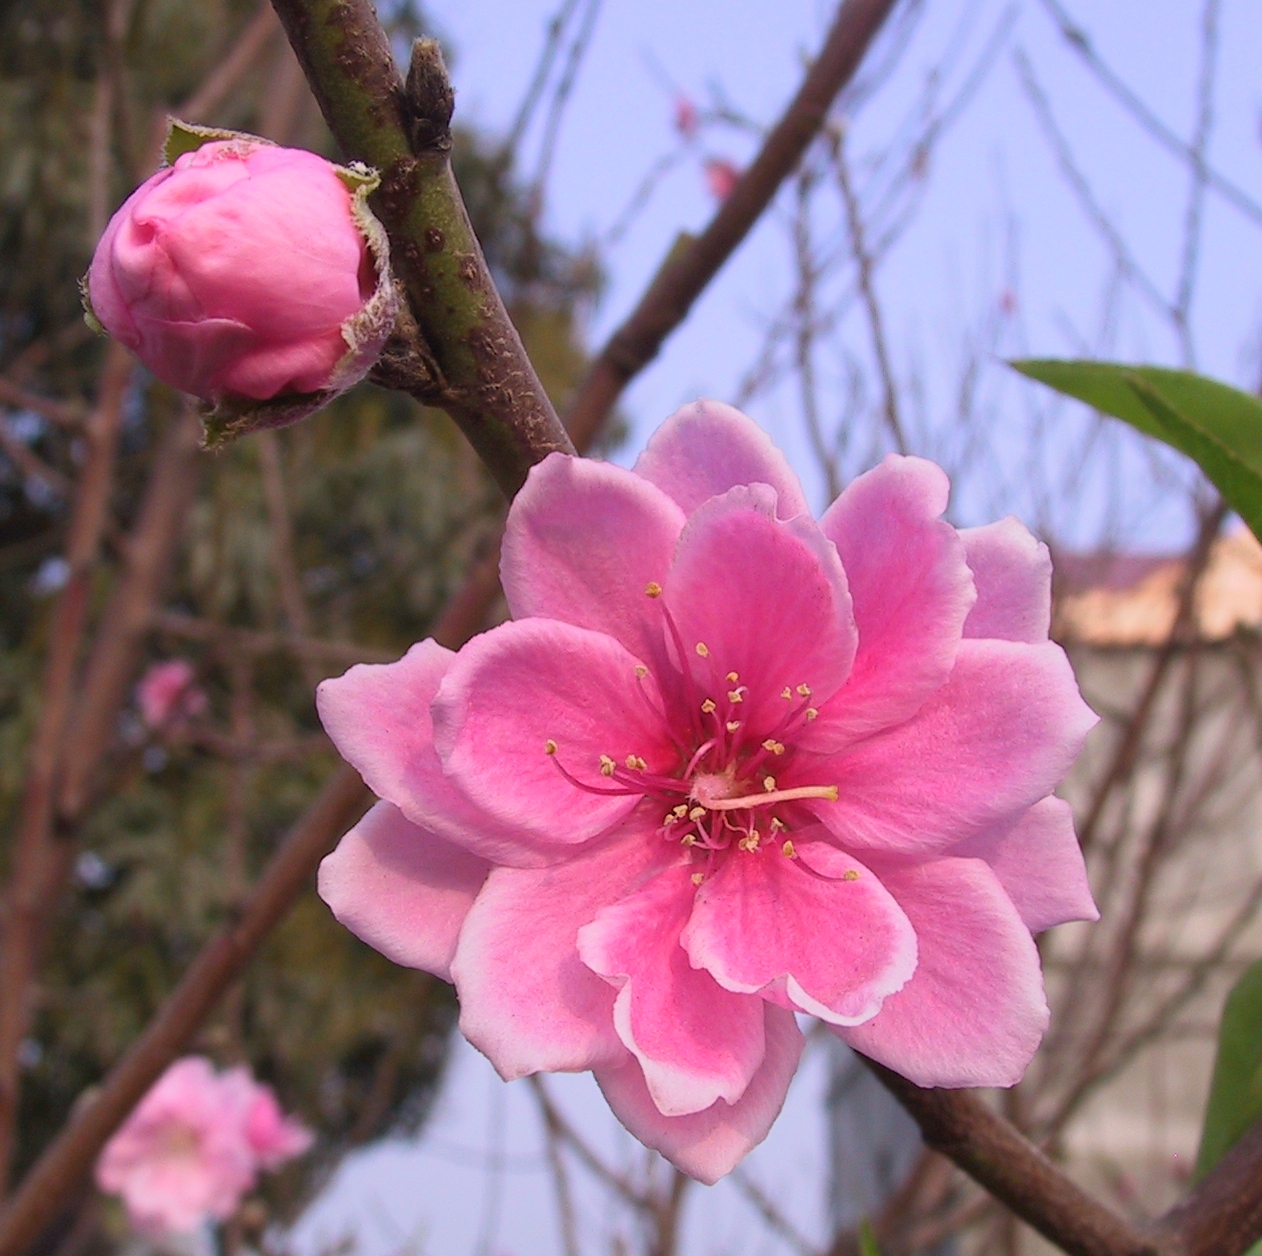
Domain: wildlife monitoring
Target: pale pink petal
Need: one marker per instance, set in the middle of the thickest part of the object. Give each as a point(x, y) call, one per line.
point(1013, 571)
point(911, 589)
point(763, 598)
point(1039, 863)
point(997, 737)
point(529, 701)
point(527, 1001)
point(974, 1012)
point(378, 715)
point(401, 889)
point(707, 1145)
point(695, 1041)
point(819, 925)
point(707, 448)
point(584, 540)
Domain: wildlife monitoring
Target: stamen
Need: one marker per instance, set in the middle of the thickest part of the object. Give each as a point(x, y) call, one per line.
point(827, 792)
point(696, 813)
point(804, 691)
point(736, 695)
point(787, 694)
point(772, 746)
point(698, 877)
point(595, 789)
point(811, 713)
point(653, 589)
point(732, 678)
point(641, 671)
point(776, 824)
point(549, 746)
point(732, 725)
point(607, 765)
point(768, 783)
point(680, 811)
point(709, 707)
point(850, 875)
point(688, 839)
point(788, 851)
point(702, 649)
point(700, 754)
point(635, 763)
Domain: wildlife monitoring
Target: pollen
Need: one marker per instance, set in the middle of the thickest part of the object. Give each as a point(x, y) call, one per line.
point(811, 713)
point(698, 877)
point(696, 813)
point(641, 671)
point(653, 589)
point(607, 765)
point(787, 694)
point(732, 725)
point(776, 824)
point(709, 707)
point(768, 783)
point(680, 811)
point(850, 875)
point(549, 746)
point(702, 649)
point(773, 746)
point(635, 763)
point(736, 695)
point(732, 678)
point(804, 691)
point(688, 839)
point(789, 851)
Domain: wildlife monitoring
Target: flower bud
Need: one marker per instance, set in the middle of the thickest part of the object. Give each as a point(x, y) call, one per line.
point(252, 276)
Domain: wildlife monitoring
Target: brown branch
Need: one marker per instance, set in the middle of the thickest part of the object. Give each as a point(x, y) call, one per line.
point(30, 463)
point(62, 413)
point(996, 1156)
point(67, 1161)
point(191, 628)
point(667, 302)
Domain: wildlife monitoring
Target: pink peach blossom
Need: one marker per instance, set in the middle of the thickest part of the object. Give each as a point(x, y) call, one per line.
point(239, 271)
point(193, 1146)
point(726, 765)
point(721, 177)
point(167, 692)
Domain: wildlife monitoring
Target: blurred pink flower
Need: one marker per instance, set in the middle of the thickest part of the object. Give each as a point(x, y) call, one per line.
point(686, 121)
point(168, 692)
point(727, 764)
point(721, 177)
point(193, 1147)
point(243, 270)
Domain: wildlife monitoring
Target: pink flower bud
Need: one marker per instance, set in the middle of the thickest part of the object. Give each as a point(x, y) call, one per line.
point(168, 692)
point(686, 121)
point(249, 275)
point(721, 177)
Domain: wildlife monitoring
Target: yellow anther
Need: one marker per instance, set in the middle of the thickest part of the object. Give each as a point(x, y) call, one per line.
point(811, 713)
point(653, 589)
point(789, 851)
point(635, 763)
point(549, 746)
point(698, 877)
point(804, 691)
point(850, 875)
point(708, 706)
point(732, 725)
point(641, 671)
point(776, 824)
point(768, 783)
point(688, 839)
point(787, 694)
point(732, 678)
point(735, 695)
point(680, 811)
point(696, 813)
point(607, 765)
point(703, 649)
point(774, 746)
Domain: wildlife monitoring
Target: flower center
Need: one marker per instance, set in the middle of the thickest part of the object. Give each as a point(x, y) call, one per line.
point(723, 794)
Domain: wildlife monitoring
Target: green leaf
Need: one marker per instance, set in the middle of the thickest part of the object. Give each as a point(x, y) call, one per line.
point(1235, 1094)
point(187, 137)
point(867, 1240)
point(1218, 426)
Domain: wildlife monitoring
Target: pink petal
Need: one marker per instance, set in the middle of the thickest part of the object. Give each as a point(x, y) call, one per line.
point(821, 926)
point(707, 1145)
point(912, 590)
point(974, 1012)
point(401, 889)
point(525, 688)
point(1013, 571)
point(527, 1001)
point(707, 448)
point(997, 737)
point(763, 598)
point(378, 716)
point(695, 1041)
point(584, 539)
point(1039, 863)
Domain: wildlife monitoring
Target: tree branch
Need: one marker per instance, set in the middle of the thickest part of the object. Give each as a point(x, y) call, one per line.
point(483, 378)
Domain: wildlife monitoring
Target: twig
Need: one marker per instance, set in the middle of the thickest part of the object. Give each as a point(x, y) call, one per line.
point(543, 67)
point(482, 376)
point(29, 463)
point(66, 1162)
point(191, 628)
point(61, 413)
point(772, 1215)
